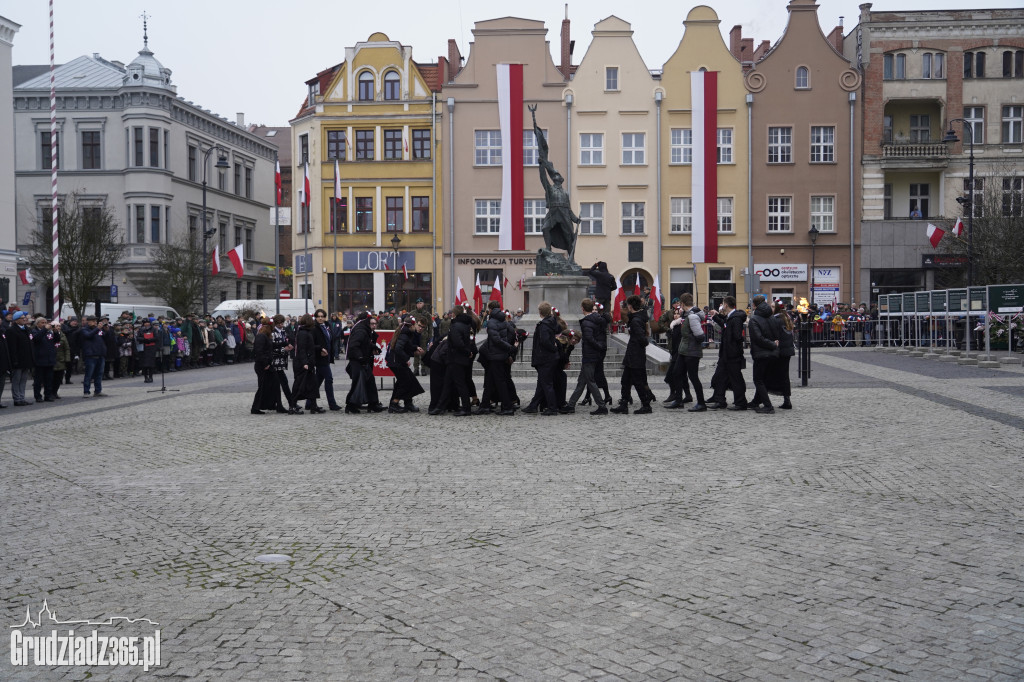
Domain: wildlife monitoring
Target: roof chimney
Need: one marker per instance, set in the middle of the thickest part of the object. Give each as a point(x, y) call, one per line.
point(762, 49)
point(566, 63)
point(735, 41)
point(454, 59)
point(240, 119)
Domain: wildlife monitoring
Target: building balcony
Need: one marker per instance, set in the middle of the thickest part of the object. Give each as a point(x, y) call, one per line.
point(910, 155)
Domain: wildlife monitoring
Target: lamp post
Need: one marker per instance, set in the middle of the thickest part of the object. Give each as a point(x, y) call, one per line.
point(969, 200)
point(804, 367)
point(395, 243)
point(813, 232)
point(222, 163)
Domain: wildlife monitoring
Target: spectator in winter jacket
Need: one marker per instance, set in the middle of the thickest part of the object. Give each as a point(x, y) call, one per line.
point(44, 356)
point(94, 353)
point(20, 348)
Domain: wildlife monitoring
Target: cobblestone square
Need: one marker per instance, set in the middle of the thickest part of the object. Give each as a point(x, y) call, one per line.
point(872, 533)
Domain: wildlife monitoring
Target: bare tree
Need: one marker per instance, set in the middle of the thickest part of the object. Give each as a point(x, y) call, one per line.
point(176, 275)
point(90, 247)
point(998, 237)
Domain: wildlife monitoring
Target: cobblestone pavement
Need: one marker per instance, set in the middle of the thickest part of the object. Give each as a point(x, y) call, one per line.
point(872, 533)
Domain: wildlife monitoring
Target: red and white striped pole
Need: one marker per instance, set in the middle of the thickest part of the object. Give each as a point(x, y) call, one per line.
point(53, 175)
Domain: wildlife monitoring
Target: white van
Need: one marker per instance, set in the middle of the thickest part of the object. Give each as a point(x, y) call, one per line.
point(267, 306)
point(114, 310)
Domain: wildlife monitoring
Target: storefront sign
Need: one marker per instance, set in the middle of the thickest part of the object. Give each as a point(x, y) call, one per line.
point(378, 260)
point(781, 272)
point(515, 260)
point(935, 260)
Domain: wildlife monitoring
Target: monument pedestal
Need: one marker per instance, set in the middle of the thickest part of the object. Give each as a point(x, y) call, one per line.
point(564, 292)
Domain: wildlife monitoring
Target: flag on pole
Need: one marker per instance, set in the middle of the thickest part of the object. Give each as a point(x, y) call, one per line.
point(237, 258)
point(522, 281)
point(637, 289)
point(704, 171)
point(656, 298)
point(496, 292)
point(958, 227)
point(511, 227)
point(405, 142)
point(215, 267)
point(935, 235)
point(478, 297)
point(620, 298)
point(304, 191)
point(504, 284)
point(277, 180)
point(460, 292)
point(405, 271)
point(25, 276)
point(337, 183)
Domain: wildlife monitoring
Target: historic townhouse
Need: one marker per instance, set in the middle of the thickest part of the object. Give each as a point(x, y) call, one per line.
point(803, 160)
point(126, 141)
point(8, 242)
point(923, 70)
point(615, 141)
point(702, 47)
point(373, 242)
point(473, 162)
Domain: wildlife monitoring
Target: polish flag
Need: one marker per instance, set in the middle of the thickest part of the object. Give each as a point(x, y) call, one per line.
point(460, 293)
point(511, 228)
point(958, 228)
point(337, 183)
point(215, 267)
point(504, 284)
point(478, 297)
point(637, 289)
point(405, 271)
point(522, 281)
point(237, 258)
point(704, 171)
point(277, 180)
point(25, 276)
point(405, 142)
point(935, 235)
point(620, 298)
point(496, 292)
point(656, 298)
point(304, 190)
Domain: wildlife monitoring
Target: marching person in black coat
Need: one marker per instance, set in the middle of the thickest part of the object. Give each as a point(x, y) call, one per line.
point(268, 391)
point(544, 359)
point(461, 352)
point(362, 348)
point(496, 354)
point(594, 328)
point(764, 349)
point(729, 373)
point(19, 347)
point(634, 362)
point(307, 382)
point(778, 373)
point(324, 356)
point(404, 347)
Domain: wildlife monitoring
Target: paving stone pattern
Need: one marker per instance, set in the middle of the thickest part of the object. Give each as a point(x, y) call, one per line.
point(872, 533)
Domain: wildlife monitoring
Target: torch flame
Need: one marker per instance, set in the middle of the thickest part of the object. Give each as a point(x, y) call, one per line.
point(802, 307)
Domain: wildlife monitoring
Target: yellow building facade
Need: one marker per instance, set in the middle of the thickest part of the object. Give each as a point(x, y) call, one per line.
point(368, 241)
point(702, 47)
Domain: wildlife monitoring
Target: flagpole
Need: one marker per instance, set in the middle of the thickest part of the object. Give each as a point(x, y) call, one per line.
point(53, 176)
point(277, 236)
point(334, 232)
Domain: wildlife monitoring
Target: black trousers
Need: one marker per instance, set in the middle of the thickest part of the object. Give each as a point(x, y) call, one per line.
point(545, 394)
point(455, 384)
point(42, 383)
point(734, 378)
point(692, 373)
point(761, 366)
point(586, 381)
point(496, 384)
point(635, 377)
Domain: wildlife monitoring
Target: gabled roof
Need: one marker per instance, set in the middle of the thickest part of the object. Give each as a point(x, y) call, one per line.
point(83, 72)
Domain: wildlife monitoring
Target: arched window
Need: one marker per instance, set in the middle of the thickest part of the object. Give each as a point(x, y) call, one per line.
point(366, 86)
point(392, 85)
point(803, 78)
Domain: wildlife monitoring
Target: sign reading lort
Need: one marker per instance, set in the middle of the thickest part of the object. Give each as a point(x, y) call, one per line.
point(781, 272)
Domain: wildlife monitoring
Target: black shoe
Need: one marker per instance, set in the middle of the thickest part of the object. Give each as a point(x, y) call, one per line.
point(786, 405)
point(434, 413)
point(530, 409)
point(567, 409)
point(351, 409)
point(736, 408)
point(462, 413)
point(483, 409)
point(646, 409)
point(294, 410)
point(586, 401)
point(256, 412)
point(375, 408)
point(716, 405)
point(765, 409)
point(395, 408)
point(600, 410)
point(608, 400)
point(281, 410)
point(48, 400)
point(335, 408)
point(316, 409)
point(687, 399)
point(671, 399)
point(409, 407)
point(623, 408)
point(699, 407)
point(674, 405)
point(20, 403)
point(548, 412)
point(505, 413)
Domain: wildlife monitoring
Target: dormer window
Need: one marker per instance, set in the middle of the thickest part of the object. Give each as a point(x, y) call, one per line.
point(314, 90)
point(392, 86)
point(366, 86)
point(803, 78)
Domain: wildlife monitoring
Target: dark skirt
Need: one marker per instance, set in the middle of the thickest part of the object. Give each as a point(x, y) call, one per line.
point(306, 385)
point(364, 388)
point(776, 380)
point(407, 386)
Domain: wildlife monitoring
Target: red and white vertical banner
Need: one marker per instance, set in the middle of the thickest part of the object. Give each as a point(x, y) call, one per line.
point(53, 176)
point(512, 229)
point(704, 172)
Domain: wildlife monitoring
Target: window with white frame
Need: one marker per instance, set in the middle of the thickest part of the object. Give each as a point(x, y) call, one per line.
point(780, 214)
point(975, 120)
point(611, 78)
point(803, 78)
point(725, 215)
point(591, 149)
point(780, 144)
point(976, 197)
point(366, 86)
point(533, 215)
point(632, 217)
point(823, 213)
point(633, 149)
point(1013, 195)
point(725, 145)
point(488, 216)
point(680, 218)
point(591, 218)
point(530, 147)
point(1013, 119)
point(681, 145)
point(488, 148)
point(823, 144)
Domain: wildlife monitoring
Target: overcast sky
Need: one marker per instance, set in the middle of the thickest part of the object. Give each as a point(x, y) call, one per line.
point(254, 57)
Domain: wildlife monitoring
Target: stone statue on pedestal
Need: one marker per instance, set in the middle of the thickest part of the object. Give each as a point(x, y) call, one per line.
point(558, 227)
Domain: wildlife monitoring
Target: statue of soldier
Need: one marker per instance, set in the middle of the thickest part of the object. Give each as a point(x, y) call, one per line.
point(558, 223)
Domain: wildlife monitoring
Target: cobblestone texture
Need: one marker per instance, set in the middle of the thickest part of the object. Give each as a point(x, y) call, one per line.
point(872, 533)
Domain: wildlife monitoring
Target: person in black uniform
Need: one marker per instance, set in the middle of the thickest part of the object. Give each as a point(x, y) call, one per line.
point(404, 347)
point(362, 348)
point(459, 362)
point(730, 357)
point(544, 359)
point(634, 362)
point(322, 340)
point(307, 383)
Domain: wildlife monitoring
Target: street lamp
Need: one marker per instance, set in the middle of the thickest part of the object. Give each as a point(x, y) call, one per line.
point(813, 232)
point(969, 203)
point(222, 163)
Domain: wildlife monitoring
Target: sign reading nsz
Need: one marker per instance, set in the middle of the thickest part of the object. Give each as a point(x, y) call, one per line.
point(781, 272)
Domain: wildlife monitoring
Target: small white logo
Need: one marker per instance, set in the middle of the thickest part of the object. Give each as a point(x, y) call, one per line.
point(68, 648)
